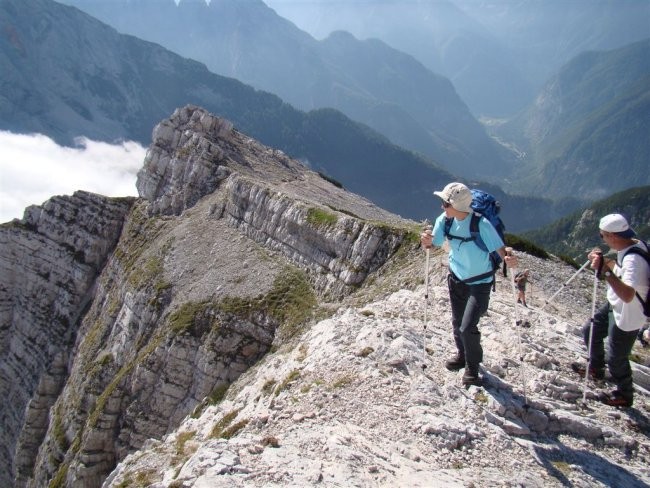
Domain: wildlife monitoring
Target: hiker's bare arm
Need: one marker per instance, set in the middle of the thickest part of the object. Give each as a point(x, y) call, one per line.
point(624, 292)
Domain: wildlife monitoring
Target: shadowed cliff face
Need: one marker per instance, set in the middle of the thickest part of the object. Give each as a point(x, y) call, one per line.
point(121, 317)
point(48, 262)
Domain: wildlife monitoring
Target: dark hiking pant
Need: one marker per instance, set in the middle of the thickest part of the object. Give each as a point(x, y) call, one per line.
point(468, 303)
point(619, 347)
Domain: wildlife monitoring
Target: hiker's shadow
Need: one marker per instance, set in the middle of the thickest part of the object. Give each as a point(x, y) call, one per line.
point(558, 460)
point(637, 421)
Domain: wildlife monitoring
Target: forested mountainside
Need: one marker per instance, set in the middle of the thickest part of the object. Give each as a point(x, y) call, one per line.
point(576, 234)
point(587, 132)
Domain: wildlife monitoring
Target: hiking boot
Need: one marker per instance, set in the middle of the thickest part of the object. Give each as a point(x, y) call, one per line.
point(471, 377)
point(594, 373)
point(615, 399)
point(455, 363)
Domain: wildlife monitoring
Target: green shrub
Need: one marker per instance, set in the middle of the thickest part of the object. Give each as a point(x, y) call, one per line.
point(233, 430)
point(183, 319)
point(523, 245)
point(320, 218)
point(294, 375)
point(330, 179)
point(221, 426)
point(569, 260)
point(59, 478)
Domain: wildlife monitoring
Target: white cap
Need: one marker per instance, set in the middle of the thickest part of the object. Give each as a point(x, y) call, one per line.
point(458, 195)
point(616, 224)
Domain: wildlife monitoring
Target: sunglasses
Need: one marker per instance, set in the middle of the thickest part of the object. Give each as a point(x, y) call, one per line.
point(446, 204)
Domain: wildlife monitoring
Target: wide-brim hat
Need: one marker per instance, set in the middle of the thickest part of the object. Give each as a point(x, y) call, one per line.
point(458, 195)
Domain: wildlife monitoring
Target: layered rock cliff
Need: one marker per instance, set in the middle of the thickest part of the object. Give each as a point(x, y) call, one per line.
point(49, 262)
point(122, 316)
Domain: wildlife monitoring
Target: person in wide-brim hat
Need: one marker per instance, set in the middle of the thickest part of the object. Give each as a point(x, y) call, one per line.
point(471, 273)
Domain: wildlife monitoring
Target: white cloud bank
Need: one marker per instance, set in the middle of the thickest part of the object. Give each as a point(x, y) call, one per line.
point(34, 168)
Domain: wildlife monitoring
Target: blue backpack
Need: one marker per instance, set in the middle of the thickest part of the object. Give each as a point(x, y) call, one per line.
point(484, 206)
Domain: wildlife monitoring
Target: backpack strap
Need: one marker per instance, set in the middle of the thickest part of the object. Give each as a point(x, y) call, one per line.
point(645, 255)
point(475, 236)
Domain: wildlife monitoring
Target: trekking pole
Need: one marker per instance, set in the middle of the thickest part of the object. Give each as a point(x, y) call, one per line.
point(546, 302)
point(591, 331)
point(427, 230)
point(518, 323)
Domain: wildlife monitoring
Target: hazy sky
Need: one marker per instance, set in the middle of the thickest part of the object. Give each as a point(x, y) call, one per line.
point(33, 168)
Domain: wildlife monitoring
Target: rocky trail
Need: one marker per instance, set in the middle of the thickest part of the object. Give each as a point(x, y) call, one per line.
point(348, 402)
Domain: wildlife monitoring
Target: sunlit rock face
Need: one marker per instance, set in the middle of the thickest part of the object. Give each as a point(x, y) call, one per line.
point(120, 317)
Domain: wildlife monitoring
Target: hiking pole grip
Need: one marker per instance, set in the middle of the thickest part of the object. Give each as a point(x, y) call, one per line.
point(599, 271)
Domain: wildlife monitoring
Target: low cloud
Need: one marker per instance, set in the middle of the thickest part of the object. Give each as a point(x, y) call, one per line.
point(34, 168)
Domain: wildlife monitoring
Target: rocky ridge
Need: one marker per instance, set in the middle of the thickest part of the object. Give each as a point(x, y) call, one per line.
point(184, 291)
point(250, 323)
point(347, 403)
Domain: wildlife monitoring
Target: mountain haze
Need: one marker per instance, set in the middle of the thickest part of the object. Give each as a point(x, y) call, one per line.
point(367, 80)
point(65, 74)
point(497, 53)
point(437, 33)
point(588, 131)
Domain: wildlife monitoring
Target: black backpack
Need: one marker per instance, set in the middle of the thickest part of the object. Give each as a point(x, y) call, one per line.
point(646, 255)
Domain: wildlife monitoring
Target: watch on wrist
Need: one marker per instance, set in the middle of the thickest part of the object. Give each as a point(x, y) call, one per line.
point(607, 274)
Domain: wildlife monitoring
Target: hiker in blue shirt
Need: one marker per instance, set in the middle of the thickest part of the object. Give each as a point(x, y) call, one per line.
point(471, 274)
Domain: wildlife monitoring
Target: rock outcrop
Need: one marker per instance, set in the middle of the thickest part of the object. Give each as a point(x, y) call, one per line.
point(269, 197)
point(49, 262)
point(161, 303)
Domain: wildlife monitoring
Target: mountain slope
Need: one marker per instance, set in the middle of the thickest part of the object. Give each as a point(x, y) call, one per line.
point(497, 53)
point(545, 35)
point(438, 34)
point(577, 233)
point(367, 80)
point(65, 74)
point(119, 316)
point(595, 113)
point(248, 323)
point(347, 404)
